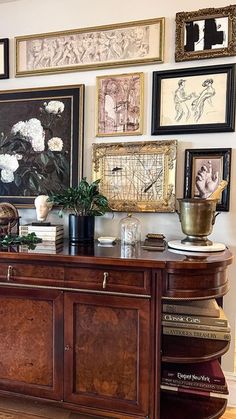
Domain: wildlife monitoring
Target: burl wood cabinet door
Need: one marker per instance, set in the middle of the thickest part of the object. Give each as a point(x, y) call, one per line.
point(107, 352)
point(31, 342)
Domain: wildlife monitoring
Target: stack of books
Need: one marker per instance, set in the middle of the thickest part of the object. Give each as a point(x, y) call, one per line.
point(205, 379)
point(196, 319)
point(51, 234)
point(154, 242)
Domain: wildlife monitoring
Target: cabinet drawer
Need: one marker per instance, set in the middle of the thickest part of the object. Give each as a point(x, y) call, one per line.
point(108, 279)
point(31, 273)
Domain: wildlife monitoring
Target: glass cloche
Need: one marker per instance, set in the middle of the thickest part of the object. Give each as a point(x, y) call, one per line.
point(130, 230)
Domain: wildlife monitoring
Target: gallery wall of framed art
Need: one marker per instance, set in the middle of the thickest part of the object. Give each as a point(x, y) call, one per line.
point(42, 54)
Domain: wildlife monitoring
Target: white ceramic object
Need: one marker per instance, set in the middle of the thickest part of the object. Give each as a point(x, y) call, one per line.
point(215, 247)
point(106, 240)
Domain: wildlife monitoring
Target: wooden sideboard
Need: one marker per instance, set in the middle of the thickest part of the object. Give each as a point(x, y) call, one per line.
point(82, 328)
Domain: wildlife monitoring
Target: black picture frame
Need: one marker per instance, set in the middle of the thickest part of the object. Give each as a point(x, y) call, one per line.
point(4, 57)
point(195, 159)
point(215, 105)
point(41, 142)
point(205, 33)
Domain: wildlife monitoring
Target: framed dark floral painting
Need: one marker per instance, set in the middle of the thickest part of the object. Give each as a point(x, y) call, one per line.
point(41, 142)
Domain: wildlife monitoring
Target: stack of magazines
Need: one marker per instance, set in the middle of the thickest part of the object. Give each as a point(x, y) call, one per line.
point(205, 379)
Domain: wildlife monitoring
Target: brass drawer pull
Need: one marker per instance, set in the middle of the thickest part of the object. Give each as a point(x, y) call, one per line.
point(105, 277)
point(67, 348)
point(9, 272)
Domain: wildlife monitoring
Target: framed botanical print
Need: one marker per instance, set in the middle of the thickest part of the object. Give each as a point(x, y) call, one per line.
point(119, 109)
point(204, 170)
point(206, 33)
point(137, 176)
point(192, 100)
point(41, 142)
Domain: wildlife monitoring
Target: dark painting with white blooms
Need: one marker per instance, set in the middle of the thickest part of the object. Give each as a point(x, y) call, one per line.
point(41, 142)
point(192, 100)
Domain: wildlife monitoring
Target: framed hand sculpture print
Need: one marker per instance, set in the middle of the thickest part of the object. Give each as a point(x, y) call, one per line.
point(204, 170)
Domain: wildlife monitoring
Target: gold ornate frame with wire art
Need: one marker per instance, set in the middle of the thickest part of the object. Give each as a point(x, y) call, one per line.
point(138, 176)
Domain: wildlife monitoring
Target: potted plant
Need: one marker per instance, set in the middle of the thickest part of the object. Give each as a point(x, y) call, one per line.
point(84, 203)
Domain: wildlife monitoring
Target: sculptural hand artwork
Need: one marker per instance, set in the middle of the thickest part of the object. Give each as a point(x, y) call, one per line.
point(206, 180)
point(42, 207)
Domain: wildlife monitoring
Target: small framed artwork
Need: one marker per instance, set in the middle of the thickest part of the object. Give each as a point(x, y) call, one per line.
point(206, 33)
point(4, 58)
point(119, 105)
point(116, 45)
point(193, 100)
point(137, 176)
point(204, 170)
point(41, 142)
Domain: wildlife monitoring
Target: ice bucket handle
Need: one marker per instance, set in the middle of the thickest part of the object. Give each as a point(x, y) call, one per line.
point(214, 218)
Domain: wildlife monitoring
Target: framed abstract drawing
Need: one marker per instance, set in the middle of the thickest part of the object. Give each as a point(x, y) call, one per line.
point(41, 142)
point(119, 101)
point(137, 176)
point(4, 58)
point(206, 33)
point(204, 170)
point(194, 100)
point(116, 45)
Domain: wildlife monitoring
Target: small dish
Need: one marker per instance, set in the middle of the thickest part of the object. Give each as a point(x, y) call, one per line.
point(106, 240)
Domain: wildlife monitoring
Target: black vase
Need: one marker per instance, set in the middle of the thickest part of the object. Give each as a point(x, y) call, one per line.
point(81, 228)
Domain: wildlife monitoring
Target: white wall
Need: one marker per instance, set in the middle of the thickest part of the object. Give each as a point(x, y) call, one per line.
point(24, 17)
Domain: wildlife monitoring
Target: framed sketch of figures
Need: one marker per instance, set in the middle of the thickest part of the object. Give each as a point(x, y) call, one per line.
point(192, 100)
point(206, 33)
point(119, 105)
point(116, 45)
point(137, 176)
point(204, 170)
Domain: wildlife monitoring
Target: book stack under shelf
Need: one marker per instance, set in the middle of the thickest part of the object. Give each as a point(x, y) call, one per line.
point(195, 335)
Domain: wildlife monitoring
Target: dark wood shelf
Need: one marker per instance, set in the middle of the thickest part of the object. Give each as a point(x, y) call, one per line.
point(180, 349)
point(184, 406)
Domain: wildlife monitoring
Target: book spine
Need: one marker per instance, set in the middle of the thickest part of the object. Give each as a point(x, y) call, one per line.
point(193, 391)
point(193, 377)
point(196, 333)
point(178, 309)
point(39, 228)
point(194, 320)
point(204, 386)
point(196, 326)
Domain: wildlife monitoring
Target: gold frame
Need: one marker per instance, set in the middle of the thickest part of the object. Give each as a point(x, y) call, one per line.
point(166, 150)
point(141, 103)
point(202, 14)
point(157, 55)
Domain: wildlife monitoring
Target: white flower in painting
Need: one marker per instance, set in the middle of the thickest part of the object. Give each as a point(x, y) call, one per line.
point(31, 131)
point(7, 176)
point(54, 106)
point(8, 165)
point(55, 144)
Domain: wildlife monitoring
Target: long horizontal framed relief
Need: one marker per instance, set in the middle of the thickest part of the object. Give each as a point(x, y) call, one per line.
point(116, 45)
point(137, 176)
point(206, 33)
point(4, 58)
point(41, 142)
point(119, 101)
point(192, 100)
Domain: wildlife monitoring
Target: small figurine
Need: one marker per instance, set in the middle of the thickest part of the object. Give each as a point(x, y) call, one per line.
point(42, 207)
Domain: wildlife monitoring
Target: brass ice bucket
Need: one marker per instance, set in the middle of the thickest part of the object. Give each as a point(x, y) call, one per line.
point(197, 217)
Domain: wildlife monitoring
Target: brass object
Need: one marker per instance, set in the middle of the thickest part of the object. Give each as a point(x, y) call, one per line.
point(105, 277)
point(197, 217)
point(9, 218)
point(184, 18)
point(9, 272)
